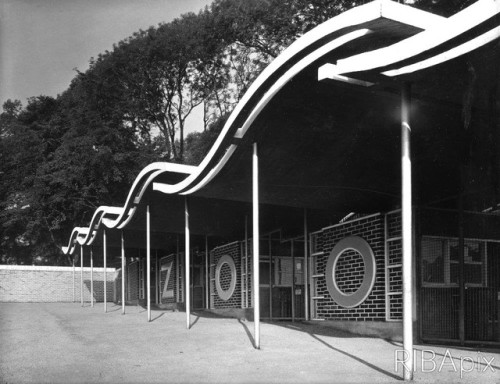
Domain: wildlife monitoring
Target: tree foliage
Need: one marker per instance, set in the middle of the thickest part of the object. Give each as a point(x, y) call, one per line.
point(62, 157)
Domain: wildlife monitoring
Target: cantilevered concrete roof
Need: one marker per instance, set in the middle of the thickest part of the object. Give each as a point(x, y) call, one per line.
point(326, 117)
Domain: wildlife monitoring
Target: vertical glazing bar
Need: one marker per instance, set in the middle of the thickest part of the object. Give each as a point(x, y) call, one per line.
point(271, 277)
point(407, 232)
point(387, 280)
point(306, 268)
point(246, 261)
point(186, 268)
point(123, 274)
point(461, 264)
point(177, 273)
point(256, 253)
point(91, 277)
point(104, 250)
point(148, 261)
point(207, 275)
point(81, 274)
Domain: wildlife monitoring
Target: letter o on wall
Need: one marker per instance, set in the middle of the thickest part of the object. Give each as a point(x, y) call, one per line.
point(360, 246)
point(225, 294)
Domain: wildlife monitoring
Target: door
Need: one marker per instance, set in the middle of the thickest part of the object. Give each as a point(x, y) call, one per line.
point(198, 288)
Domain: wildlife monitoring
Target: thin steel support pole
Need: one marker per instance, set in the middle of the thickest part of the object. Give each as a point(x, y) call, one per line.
point(207, 275)
point(105, 250)
point(406, 189)
point(123, 273)
point(306, 267)
point(148, 260)
point(293, 278)
point(187, 263)
point(74, 293)
point(177, 272)
point(256, 238)
point(92, 277)
point(81, 274)
point(157, 289)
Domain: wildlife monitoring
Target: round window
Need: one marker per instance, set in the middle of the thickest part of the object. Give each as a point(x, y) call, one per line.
point(350, 271)
point(225, 277)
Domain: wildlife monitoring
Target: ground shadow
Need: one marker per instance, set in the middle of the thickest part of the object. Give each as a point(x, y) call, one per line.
point(358, 359)
point(249, 334)
point(157, 317)
point(114, 308)
point(211, 315)
point(191, 324)
point(315, 331)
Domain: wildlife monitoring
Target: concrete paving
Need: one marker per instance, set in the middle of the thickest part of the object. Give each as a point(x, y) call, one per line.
point(65, 343)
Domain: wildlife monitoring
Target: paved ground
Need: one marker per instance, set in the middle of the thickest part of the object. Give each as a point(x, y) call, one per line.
point(65, 343)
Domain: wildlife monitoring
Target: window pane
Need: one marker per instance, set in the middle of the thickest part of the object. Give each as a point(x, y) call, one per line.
point(473, 251)
point(473, 274)
point(264, 272)
point(454, 250)
point(432, 261)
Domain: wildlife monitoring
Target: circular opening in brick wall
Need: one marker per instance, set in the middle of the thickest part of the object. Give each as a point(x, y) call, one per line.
point(349, 271)
point(225, 277)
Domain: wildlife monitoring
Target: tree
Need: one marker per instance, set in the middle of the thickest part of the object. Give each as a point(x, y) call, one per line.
point(24, 143)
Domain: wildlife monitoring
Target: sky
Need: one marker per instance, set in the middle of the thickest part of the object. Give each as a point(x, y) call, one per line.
point(42, 41)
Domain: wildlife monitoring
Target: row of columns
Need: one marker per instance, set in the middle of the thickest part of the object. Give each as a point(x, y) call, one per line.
point(187, 253)
point(91, 277)
point(406, 232)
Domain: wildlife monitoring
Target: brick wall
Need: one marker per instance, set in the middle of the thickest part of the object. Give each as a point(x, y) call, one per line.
point(53, 284)
point(132, 281)
point(233, 250)
point(371, 229)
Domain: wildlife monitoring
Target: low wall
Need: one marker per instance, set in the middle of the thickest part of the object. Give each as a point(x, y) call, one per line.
point(53, 284)
point(392, 330)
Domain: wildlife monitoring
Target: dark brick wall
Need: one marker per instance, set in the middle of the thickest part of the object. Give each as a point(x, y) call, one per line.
point(233, 250)
point(349, 272)
point(370, 229)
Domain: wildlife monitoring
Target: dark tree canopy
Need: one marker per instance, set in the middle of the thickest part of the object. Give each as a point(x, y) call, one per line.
point(60, 158)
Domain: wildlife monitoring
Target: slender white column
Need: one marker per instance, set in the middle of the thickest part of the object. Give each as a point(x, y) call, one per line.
point(157, 279)
point(306, 268)
point(104, 251)
point(207, 275)
point(148, 260)
point(186, 267)
point(407, 232)
point(91, 277)
point(81, 274)
point(256, 238)
point(123, 274)
point(292, 253)
point(74, 295)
